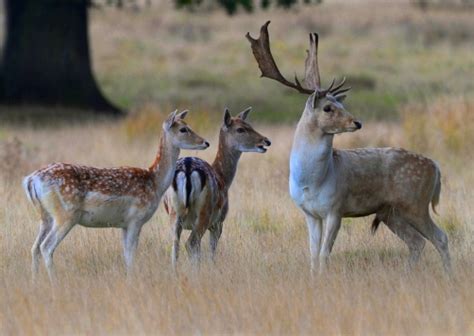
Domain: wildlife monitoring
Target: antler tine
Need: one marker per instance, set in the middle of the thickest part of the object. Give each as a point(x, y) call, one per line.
point(297, 81)
point(335, 93)
point(311, 76)
point(266, 63)
point(338, 89)
point(332, 84)
point(324, 92)
point(338, 86)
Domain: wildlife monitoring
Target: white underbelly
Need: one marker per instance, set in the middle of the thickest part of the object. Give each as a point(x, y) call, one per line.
point(105, 211)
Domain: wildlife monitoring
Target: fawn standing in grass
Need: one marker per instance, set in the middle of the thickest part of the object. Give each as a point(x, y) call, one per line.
point(198, 199)
point(329, 184)
point(126, 197)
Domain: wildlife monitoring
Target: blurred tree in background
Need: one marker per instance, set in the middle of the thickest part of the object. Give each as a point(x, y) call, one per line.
point(46, 57)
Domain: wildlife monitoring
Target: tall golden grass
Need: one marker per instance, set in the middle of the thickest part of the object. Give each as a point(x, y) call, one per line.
point(261, 282)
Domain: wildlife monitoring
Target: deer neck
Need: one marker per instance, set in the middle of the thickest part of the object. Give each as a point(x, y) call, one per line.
point(225, 163)
point(164, 166)
point(311, 155)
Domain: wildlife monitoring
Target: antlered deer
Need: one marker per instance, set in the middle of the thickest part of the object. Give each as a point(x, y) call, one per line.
point(329, 184)
point(126, 197)
point(198, 199)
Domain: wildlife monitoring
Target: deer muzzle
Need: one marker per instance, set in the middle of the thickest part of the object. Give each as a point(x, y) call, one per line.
point(265, 143)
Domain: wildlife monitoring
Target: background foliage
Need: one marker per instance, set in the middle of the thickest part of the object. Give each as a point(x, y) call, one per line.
point(392, 55)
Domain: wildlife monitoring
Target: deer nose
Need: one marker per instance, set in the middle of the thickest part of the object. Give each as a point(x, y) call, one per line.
point(206, 143)
point(358, 124)
point(267, 142)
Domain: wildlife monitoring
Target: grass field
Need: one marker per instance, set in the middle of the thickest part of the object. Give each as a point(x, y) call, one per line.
point(151, 61)
point(261, 283)
point(391, 53)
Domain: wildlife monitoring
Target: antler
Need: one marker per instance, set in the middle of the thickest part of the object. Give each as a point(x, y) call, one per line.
point(266, 63)
point(311, 67)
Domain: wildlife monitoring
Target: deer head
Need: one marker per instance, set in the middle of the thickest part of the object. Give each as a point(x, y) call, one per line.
point(329, 115)
point(240, 135)
point(181, 135)
point(324, 107)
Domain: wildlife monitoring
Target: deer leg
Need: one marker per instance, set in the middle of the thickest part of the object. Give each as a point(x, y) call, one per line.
point(45, 227)
point(130, 241)
point(214, 235)
point(193, 245)
point(435, 235)
point(177, 229)
point(440, 240)
point(314, 232)
point(331, 226)
point(412, 238)
point(57, 233)
point(124, 242)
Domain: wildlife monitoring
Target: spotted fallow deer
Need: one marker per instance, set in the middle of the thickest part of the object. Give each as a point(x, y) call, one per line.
point(198, 199)
point(126, 197)
point(329, 184)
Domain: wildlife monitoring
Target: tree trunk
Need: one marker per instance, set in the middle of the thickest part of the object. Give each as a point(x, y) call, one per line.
point(46, 58)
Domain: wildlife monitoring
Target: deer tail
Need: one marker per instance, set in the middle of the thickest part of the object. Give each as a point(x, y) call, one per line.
point(436, 189)
point(181, 190)
point(31, 190)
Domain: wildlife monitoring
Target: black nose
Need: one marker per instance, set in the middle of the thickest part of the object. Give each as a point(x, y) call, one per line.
point(206, 143)
point(267, 142)
point(358, 124)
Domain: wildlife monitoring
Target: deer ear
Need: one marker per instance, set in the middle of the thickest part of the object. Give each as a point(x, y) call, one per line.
point(182, 115)
point(170, 120)
point(244, 114)
point(340, 97)
point(227, 118)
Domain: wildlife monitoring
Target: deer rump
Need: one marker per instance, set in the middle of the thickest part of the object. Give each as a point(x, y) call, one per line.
point(193, 183)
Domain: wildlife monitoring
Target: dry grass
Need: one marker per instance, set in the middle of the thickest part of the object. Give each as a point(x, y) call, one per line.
point(261, 282)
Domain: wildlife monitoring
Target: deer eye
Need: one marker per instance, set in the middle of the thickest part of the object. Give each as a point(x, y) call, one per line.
point(327, 108)
point(183, 130)
point(240, 130)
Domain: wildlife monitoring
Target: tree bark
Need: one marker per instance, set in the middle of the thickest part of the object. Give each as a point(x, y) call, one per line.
point(46, 59)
